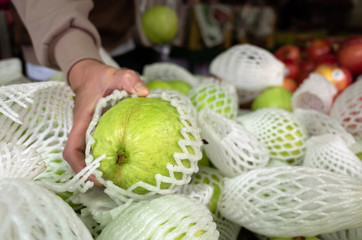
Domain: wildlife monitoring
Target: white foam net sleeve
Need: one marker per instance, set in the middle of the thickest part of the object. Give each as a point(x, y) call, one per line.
point(292, 201)
point(190, 139)
point(349, 234)
point(15, 162)
point(330, 152)
point(316, 92)
point(281, 132)
point(248, 67)
point(219, 96)
point(45, 110)
point(347, 109)
point(213, 178)
point(356, 147)
point(227, 229)
point(29, 211)
point(166, 217)
point(16, 98)
point(200, 192)
point(168, 71)
point(230, 146)
point(318, 123)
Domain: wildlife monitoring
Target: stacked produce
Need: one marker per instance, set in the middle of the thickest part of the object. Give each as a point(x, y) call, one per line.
point(187, 161)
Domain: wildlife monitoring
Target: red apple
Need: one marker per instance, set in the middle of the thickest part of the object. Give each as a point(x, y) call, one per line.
point(302, 76)
point(318, 48)
point(307, 65)
point(292, 68)
point(341, 77)
point(328, 59)
point(288, 52)
point(350, 55)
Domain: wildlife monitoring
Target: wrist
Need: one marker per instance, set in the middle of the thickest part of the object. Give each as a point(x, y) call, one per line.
point(78, 72)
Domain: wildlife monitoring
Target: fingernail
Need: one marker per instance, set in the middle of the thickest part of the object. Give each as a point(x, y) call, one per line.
point(141, 89)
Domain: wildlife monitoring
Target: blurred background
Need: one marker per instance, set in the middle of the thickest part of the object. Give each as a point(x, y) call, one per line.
point(207, 28)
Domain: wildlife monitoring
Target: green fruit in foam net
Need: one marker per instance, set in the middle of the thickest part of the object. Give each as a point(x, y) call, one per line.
point(159, 84)
point(160, 24)
point(181, 86)
point(214, 97)
point(274, 97)
point(359, 155)
point(177, 85)
point(296, 238)
point(139, 137)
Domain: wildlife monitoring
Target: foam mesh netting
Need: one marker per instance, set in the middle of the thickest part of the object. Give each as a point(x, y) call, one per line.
point(248, 67)
point(316, 92)
point(281, 132)
point(318, 123)
point(200, 192)
point(191, 139)
point(36, 118)
point(219, 96)
point(230, 146)
point(347, 109)
point(30, 211)
point(292, 201)
point(330, 152)
point(166, 217)
point(168, 71)
point(349, 234)
point(213, 178)
point(15, 162)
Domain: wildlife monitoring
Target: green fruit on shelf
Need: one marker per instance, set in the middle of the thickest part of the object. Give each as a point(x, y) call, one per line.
point(274, 97)
point(160, 24)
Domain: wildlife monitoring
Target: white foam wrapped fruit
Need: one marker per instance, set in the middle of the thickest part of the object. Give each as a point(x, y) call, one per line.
point(151, 144)
point(214, 178)
point(330, 152)
point(347, 109)
point(168, 71)
point(318, 123)
point(248, 67)
point(218, 96)
point(281, 132)
point(167, 217)
point(291, 201)
point(230, 146)
point(30, 211)
point(316, 92)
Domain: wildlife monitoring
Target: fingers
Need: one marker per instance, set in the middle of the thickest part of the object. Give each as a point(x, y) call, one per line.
point(74, 151)
point(130, 82)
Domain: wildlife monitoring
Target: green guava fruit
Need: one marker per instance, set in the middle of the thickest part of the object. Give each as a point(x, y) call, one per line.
point(159, 84)
point(181, 86)
point(296, 238)
point(139, 137)
point(274, 97)
point(359, 155)
point(160, 24)
point(178, 85)
point(204, 161)
point(214, 97)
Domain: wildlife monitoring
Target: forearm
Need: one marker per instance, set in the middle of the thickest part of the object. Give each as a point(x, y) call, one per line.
point(60, 31)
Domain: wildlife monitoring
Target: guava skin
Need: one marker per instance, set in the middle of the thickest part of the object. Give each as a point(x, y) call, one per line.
point(178, 85)
point(139, 137)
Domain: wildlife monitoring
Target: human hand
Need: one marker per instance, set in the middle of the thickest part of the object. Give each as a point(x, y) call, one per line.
point(91, 80)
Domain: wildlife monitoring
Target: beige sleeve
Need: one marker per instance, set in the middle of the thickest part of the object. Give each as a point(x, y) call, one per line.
point(60, 31)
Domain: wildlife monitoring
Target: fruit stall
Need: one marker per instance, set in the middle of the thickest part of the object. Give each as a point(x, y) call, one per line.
point(244, 135)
